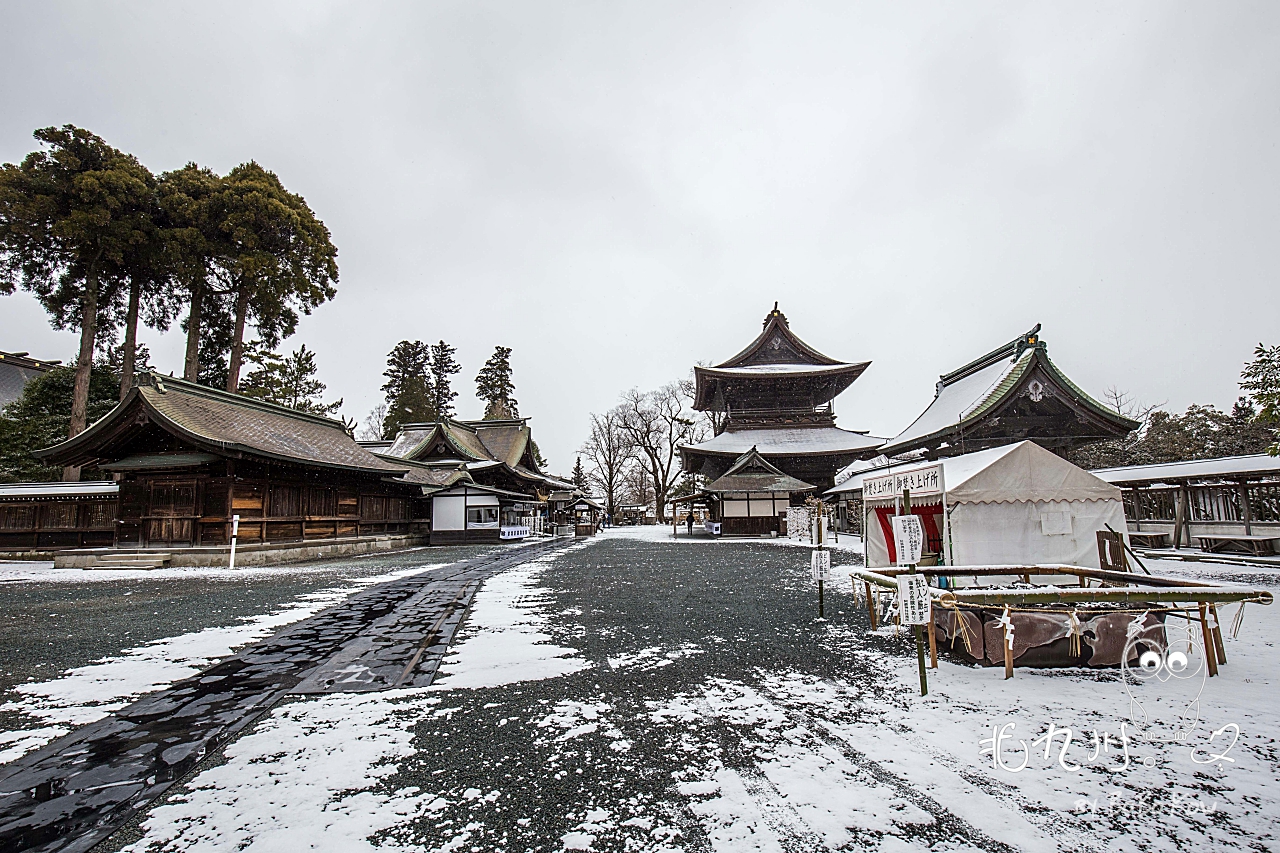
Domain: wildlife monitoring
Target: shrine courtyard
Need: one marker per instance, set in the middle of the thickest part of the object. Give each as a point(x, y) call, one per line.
point(625, 692)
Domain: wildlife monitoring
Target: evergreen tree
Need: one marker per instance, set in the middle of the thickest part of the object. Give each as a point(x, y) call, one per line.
point(494, 386)
point(278, 258)
point(580, 476)
point(1262, 381)
point(443, 365)
point(193, 242)
point(41, 416)
point(289, 380)
point(70, 215)
point(408, 387)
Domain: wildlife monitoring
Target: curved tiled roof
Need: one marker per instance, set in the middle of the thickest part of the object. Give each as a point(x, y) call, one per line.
point(228, 424)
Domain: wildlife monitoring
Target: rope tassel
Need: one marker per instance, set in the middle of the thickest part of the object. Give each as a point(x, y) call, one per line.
point(1237, 621)
point(1076, 634)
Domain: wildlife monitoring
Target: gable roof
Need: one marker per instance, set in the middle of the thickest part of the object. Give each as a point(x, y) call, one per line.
point(506, 441)
point(777, 344)
point(753, 473)
point(964, 396)
point(225, 424)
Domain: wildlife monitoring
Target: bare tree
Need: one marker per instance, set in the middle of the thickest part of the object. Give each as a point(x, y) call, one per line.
point(608, 451)
point(374, 423)
point(636, 485)
point(656, 424)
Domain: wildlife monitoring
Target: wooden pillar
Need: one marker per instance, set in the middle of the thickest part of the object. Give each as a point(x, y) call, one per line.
point(1209, 649)
point(1246, 511)
point(1218, 645)
point(1180, 516)
point(933, 640)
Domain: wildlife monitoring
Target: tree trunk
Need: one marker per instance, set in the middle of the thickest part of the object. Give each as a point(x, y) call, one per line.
point(237, 340)
point(191, 366)
point(84, 369)
point(129, 357)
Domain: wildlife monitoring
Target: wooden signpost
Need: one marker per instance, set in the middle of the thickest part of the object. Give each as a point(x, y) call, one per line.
point(914, 603)
point(820, 565)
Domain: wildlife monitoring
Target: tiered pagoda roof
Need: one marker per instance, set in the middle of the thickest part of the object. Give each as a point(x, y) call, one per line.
point(775, 396)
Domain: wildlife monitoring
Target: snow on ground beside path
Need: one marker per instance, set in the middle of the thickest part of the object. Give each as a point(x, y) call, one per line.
point(662, 533)
point(504, 638)
point(301, 781)
point(84, 694)
point(305, 777)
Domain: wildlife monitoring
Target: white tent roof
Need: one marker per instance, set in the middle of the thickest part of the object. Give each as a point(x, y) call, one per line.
point(1014, 473)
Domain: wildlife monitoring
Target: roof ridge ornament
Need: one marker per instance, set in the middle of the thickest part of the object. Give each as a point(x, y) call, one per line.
point(775, 314)
point(1012, 350)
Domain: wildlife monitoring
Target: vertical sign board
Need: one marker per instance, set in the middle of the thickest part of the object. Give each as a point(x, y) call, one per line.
point(820, 565)
point(914, 605)
point(908, 539)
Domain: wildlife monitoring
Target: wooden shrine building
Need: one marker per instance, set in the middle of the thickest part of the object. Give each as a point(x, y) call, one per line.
point(776, 397)
point(186, 458)
point(752, 497)
point(1013, 393)
point(16, 370)
point(497, 453)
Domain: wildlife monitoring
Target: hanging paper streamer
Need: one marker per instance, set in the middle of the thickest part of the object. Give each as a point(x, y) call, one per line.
point(1007, 622)
point(1076, 634)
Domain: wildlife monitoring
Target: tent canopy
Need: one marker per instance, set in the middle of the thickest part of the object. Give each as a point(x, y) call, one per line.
point(1014, 473)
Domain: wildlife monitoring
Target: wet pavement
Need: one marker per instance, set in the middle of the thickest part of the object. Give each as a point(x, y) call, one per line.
point(72, 793)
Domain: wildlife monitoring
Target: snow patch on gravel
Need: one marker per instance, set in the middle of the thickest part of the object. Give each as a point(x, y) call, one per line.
point(505, 639)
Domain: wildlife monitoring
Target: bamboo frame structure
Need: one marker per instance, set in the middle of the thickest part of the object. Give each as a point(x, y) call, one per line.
point(1114, 591)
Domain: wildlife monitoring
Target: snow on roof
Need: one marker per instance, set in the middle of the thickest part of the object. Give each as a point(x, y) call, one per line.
point(857, 466)
point(59, 490)
point(1227, 467)
point(788, 441)
point(1030, 473)
point(758, 369)
point(955, 469)
point(956, 401)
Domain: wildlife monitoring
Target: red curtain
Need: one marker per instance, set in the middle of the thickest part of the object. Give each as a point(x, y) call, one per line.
point(930, 518)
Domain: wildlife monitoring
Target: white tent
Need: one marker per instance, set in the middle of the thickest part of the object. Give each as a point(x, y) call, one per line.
point(1012, 505)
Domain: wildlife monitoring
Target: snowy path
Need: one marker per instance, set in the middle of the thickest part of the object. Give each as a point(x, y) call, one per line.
point(635, 694)
point(70, 794)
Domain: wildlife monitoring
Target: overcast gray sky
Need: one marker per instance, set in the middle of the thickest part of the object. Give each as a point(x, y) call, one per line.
point(618, 190)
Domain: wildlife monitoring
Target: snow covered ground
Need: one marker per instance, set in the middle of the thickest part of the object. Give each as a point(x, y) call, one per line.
point(634, 693)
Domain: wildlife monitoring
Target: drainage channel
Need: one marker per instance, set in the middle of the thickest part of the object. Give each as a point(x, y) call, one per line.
point(74, 792)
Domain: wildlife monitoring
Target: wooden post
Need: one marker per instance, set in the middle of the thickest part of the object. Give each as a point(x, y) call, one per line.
point(1008, 655)
point(1246, 511)
point(821, 547)
point(1209, 656)
point(871, 606)
point(933, 641)
point(1179, 517)
point(1217, 635)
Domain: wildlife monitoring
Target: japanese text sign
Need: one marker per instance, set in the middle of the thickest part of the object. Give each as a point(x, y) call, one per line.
point(820, 565)
point(921, 481)
point(908, 539)
point(913, 600)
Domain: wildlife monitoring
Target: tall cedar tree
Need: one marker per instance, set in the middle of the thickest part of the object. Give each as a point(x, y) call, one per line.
point(193, 243)
point(494, 386)
point(71, 214)
point(410, 397)
point(289, 381)
point(443, 366)
point(279, 259)
point(580, 476)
